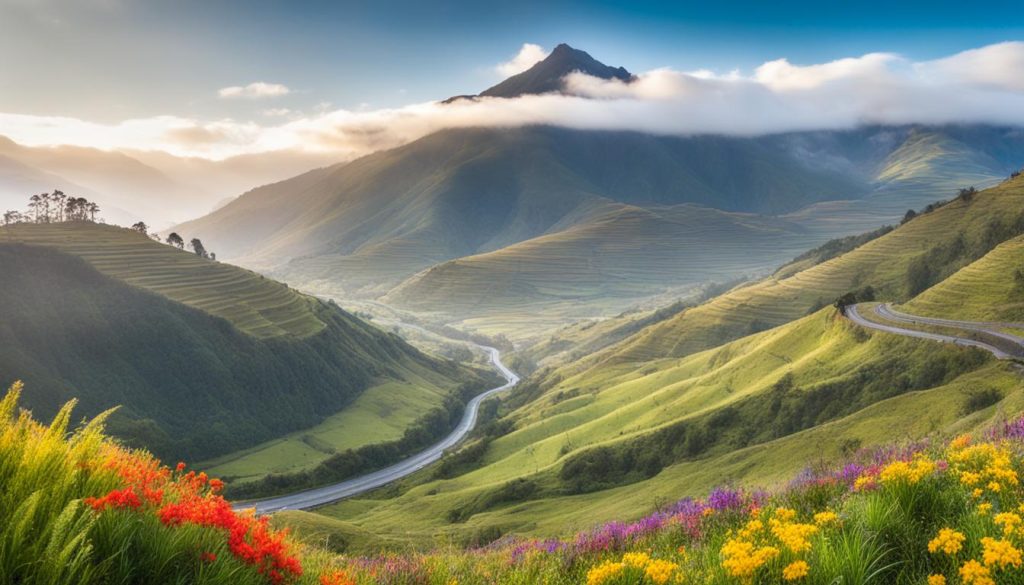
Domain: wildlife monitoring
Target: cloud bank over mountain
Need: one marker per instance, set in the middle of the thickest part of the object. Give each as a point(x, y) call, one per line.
point(981, 85)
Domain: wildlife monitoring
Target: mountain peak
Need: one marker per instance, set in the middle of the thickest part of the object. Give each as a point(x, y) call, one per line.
point(546, 76)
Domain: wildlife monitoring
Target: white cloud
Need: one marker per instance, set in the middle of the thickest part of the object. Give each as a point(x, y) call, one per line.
point(276, 112)
point(528, 56)
point(255, 90)
point(978, 86)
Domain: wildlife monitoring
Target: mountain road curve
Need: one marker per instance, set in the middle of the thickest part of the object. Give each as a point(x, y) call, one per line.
point(1013, 348)
point(331, 493)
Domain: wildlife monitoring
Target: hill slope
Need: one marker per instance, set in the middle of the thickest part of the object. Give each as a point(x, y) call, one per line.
point(942, 241)
point(455, 193)
point(195, 377)
point(618, 254)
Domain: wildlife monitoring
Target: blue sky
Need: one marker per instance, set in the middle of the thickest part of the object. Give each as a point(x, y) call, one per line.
point(106, 60)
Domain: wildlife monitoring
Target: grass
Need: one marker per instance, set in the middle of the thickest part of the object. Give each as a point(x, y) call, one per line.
point(619, 403)
point(257, 305)
point(380, 414)
point(985, 290)
point(881, 263)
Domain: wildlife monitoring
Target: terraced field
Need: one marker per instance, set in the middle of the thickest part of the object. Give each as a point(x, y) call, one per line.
point(882, 263)
point(259, 306)
point(986, 290)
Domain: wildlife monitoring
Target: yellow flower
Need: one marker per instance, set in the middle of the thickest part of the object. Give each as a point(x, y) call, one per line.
point(984, 508)
point(741, 558)
point(960, 442)
point(794, 536)
point(795, 570)
point(907, 472)
point(999, 552)
point(977, 493)
point(936, 580)
point(636, 559)
point(948, 541)
point(708, 511)
point(1009, 521)
point(826, 517)
point(974, 573)
point(785, 514)
point(969, 478)
point(994, 486)
point(864, 482)
point(604, 572)
point(660, 571)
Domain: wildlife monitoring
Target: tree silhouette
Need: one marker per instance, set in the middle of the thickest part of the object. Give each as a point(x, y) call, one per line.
point(141, 227)
point(197, 247)
point(175, 240)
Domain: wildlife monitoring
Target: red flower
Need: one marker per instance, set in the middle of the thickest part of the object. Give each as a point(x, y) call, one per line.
point(208, 557)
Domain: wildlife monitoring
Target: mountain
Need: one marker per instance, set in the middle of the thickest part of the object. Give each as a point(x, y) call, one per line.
point(548, 75)
point(203, 357)
point(158, 188)
point(384, 217)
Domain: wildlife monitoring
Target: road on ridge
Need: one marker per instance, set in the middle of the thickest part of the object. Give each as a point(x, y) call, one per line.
point(885, 311)
point(331, 493)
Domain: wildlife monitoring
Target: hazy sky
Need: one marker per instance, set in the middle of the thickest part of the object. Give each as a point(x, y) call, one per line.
point(218, 77)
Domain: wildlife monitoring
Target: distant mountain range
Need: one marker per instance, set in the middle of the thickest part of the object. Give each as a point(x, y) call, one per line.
point(158, 188)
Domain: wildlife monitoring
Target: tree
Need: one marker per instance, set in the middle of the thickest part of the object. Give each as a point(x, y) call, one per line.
point(909, 215)
point(58, 198)
point(34, 204)
point(11, 217)
point(141, 227)
point(93, 209)
point(213, 256)
point(197, 247)
point(967, 194)
point(175, 240)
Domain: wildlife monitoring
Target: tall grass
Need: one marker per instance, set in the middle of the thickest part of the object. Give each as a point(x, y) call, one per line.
point(76, 508)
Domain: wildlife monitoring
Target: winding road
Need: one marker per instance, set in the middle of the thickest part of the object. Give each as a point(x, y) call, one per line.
point(887, 313)
point(357, 485)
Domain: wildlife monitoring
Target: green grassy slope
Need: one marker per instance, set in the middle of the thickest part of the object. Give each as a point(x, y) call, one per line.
point(867, 386)
point(986, 290)
point(191, 383)
point(954, 235)
point(257, 305)
point(619, 252)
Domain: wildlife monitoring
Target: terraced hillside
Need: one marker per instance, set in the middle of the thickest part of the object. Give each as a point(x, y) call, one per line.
point(897, 265)
point(990, 289)
point(256, 305)
point(163, 344)
point(619, 254)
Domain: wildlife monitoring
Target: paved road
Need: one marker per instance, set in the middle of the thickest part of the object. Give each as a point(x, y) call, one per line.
point(332, 493)
point(888, 313)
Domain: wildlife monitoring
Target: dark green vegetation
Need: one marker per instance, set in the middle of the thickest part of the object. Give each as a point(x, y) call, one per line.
point(190, 383)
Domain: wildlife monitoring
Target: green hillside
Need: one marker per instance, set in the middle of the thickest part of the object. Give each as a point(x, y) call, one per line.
point(897, 265)
point(191, 383)
point(750, 412)
point(256, 305)
point(615, 256)
point(991, 289)
point(625, 430)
